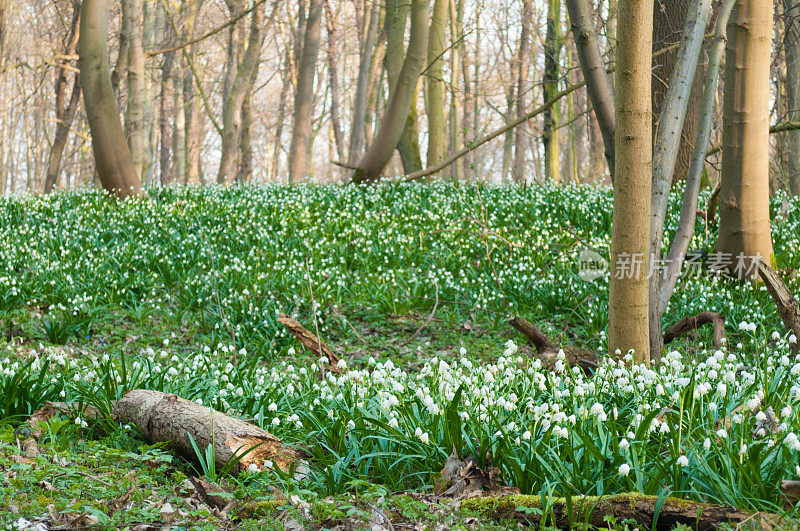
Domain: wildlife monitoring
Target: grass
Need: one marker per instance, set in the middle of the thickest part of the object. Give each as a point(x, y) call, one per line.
point(180, 294)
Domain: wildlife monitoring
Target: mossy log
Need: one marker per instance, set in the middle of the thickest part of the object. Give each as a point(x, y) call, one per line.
point(593, 510)
point(163, 417)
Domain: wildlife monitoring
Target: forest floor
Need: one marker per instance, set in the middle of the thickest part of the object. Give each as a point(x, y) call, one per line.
point(413, 287)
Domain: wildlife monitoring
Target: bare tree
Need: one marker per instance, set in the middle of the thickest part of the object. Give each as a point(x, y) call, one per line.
point(552, 51)
point(376, 157)
point(111, 154)
point(434, 81)
point(523, 66)
point(300, 147)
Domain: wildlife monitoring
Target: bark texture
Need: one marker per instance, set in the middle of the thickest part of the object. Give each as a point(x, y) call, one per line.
point(744, 227)
point(791, 47)
point(163, 417)
point(241, 87)
point(523, 68)
point(133, 10)
point(552, 52)
point(391, 127)
point(300, 147)
point(356, 146)
point(434, 81)
point(598, 85)
point(111, 154)
point(630, 242)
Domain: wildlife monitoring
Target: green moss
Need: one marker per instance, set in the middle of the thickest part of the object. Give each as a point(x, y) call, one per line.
point(259, 508)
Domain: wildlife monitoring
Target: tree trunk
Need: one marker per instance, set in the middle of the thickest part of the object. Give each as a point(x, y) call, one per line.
point(455, 127)
point(685, 230)
point(744, 229)
point(791, 47)
point(552, 51)
point(598, 85)
point(668, 19)
point(300, 147)
point(360, 100)
point(64, 114)
point(135, 110)
point(241, 87)
point(245, 173)
point(276, 148)
point(630, 242)
point(192, 121)
point(168, 418)
point(523, 66)
point(408, 145)
point(667, 146)
point(391, 127)
point(163, 120)
point(111, 154)
point(333, 80)
point(434, 82)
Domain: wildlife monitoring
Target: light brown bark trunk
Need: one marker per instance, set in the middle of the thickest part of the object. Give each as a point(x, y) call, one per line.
point(791, 46)
point(135, 111)
point(630, 240)
point(744, 226)
point(111, 154)
point(523, 66)
point(552, 51)
point(394, 119)
point(300, 146)
point(434, 82)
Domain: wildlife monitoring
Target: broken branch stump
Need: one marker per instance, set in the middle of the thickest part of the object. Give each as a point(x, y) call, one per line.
point(693, 322)
point(784, 300)
point(163, 417)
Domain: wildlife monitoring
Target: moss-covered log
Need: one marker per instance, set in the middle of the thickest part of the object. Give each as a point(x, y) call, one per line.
point(593, 510)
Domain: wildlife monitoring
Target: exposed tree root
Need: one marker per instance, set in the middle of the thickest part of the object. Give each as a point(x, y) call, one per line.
point(548, 352)
point(694, 322)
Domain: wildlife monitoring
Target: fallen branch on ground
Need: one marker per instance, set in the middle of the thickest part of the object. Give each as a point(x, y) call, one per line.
point(163, 417)
point(694, 322)
point(548, 352)
point(310, 341)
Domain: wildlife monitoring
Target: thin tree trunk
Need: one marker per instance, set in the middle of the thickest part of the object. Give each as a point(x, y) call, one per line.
point(276, 149)
point(552, 52)
point(135, 111)
point(456, 134)
point(356, 147)
point(667, 145)
point(241, 87)
point(434, 81)
point(744, 225)
point(333, 80)
point(192, 121)
point(598, 85)
point(300, 146)
point(64, 114)
point(523, 66)
point(391, 127)
point(685, 231)
point(245, 173)
point(630, 242)
point(111, 154)
point(791, 47)
point(163, 119)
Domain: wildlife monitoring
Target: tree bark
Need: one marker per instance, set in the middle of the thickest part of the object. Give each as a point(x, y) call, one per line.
point(163, 417)
point(391, 127)
point(241, 87)
point(300, 146)
point(64, 113)
point(434, 81)
point(111, 154)
point(333, 80)
point(598, 85)
point(628, 291)
point(552, 51)
point(685, 230)
point(668, 143)
point(523, 67)
point(744, 226)
point(455, 126)
point(135, 110)
point(360, 100)
point(791, 47)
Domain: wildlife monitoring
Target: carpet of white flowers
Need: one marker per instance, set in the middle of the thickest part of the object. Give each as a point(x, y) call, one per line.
point(715, 425)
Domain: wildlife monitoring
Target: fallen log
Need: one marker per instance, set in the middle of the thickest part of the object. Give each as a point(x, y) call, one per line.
point(784, 300)
point(163, 417)
point(647, 511)
point(693, 322)
point(310, 341)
